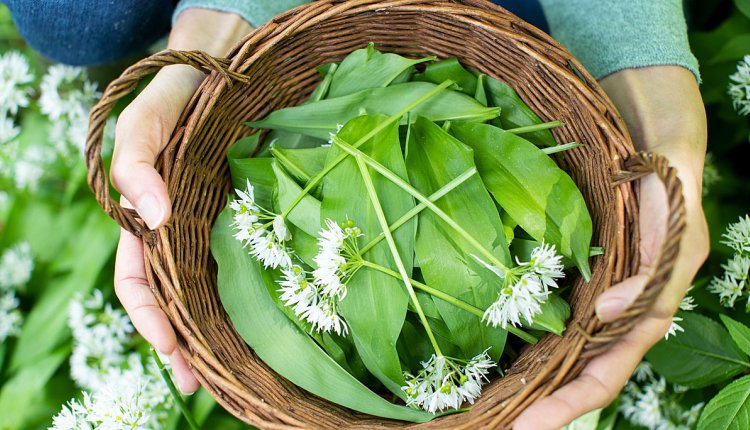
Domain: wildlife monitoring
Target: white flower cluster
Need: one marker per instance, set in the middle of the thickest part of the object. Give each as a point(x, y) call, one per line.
point(16, 265)
point(647, 401)
point(134, 398)
point(15, 90)
point(119, 391)
point(687, 304)
point(731, 286)
point(67, 95)
point(739, 88)
point(316, 300)
point(446, 383)
point(525, 287)
point(263, 231)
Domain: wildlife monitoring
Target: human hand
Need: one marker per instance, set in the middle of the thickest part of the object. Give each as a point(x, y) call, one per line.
point(663, 110)
point(143, 129)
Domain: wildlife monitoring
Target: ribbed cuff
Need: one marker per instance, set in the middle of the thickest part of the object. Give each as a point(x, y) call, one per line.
point(255, 12)
point(611, 35)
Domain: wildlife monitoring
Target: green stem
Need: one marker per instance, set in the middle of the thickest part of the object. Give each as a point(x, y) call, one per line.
point(536, 127)
point(450, 299)
point(293, 168)
point(397, 117)
point(560, 148)
point(394, 250)
point(445, 189)
point(357, 154)
point(173, 390)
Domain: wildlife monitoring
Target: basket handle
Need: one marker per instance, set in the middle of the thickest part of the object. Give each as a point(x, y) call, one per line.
point(638, 166)
point(122, 86)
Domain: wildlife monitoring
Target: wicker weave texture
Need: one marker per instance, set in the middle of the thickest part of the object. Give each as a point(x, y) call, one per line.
point(274, 67)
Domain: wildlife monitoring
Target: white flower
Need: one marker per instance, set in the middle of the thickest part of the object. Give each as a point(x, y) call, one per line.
point(296, 290)
point(687, 304)
point(8, 128)
point(16, 265)
point(738, 235)
point(445, 383)
point(332, 134)
point(10, 316)
point(547, 264)
point(728, 289)
point(15, 75)
point(252, 222)
point(322, 313)
point(525, 287)
point(739, 88)
point(71, 417)
point(338, 257)
point(646, 401)
point(66, 98)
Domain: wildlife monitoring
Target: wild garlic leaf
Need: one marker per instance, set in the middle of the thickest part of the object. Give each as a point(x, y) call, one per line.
point(450, 68)
point(707, 354)
point(555, 312)
point(278, 341)
point(434, 159)
point(375, 305)
point(302, 164)
point(515, 113)
point(321, 118)
point(536, 193)
point(368, 68)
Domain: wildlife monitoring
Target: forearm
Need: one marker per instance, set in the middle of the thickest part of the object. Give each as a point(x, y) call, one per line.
point(664, 112)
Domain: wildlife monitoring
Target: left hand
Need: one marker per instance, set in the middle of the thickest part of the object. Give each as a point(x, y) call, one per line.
point(664, 112)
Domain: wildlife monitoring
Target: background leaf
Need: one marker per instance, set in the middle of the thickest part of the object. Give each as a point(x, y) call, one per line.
point(537, 194)
point(730, 409)
point(739, 332)
point(707, 354)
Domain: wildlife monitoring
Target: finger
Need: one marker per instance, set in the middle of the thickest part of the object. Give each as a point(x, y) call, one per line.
point(186, 381)
point(598, 384)
point(132, 171)
point(136, 297)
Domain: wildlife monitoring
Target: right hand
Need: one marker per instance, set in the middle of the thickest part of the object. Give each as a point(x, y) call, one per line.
point(143, 130)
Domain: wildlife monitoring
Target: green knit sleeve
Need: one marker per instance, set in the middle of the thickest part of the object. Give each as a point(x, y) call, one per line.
point(611, 35)
point(255, 12)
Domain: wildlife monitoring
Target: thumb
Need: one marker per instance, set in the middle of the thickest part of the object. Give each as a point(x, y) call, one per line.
point(613, 302)
point(137, 144)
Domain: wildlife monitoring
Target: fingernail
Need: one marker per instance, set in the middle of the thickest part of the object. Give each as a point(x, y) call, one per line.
point(181, 385)
point(150, 210)
point(610, 309)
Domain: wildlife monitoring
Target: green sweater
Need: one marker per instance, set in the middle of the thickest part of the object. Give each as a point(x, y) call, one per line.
point(605, 35)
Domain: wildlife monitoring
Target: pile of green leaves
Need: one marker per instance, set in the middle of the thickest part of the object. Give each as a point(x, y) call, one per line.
point(441, 170)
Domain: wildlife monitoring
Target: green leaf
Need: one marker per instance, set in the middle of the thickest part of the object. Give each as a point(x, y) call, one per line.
point(259, 171)
point(46, 325)
point(730, 409)
point(734, 50)
point(707, 354)
point(445, 257)
point(27, 387)
point(537, 194)
point(321, 118)
point(740, 333)
point(481, 94)
point(743, 6)
point(368, 68)
point(202, 403)
point(588, 421)
point(555, 312)
point(515, 113)
point(440, 71)
point(306, 215)
point(375, 305)
point(278, 341)
point(303, 164)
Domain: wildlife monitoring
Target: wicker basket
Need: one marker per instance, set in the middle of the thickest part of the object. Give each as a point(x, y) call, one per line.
point(274, 67)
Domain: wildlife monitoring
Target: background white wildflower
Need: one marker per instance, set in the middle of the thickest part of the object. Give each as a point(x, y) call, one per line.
point(16, 265)
point(739, 87)
point(10, 316)
point(67, 95)
point(119, 391)
point(15, 77)
point(648, 401)
point(687, 304)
